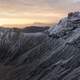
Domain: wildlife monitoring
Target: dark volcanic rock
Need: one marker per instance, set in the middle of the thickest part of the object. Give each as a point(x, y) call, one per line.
point(50, 55)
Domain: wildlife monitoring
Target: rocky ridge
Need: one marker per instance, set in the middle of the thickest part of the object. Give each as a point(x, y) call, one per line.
point(50, 55)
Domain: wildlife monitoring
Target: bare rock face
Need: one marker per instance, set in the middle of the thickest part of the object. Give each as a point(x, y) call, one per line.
point(42, 56)
point(66, 24)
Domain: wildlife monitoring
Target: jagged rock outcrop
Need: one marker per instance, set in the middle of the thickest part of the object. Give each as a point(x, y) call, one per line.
point(42, 56)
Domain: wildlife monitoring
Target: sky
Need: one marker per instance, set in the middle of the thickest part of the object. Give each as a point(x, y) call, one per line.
point(35, 11)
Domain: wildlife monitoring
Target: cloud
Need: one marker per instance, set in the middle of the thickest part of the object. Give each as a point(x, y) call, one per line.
point(37, 5)
point(76, 1)
point(51, 10)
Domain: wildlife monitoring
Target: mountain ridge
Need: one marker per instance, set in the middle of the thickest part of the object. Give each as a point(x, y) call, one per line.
point(49, 55)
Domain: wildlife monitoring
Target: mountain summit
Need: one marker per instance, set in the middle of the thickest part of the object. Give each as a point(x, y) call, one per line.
point(53, 54)
point(66, 24)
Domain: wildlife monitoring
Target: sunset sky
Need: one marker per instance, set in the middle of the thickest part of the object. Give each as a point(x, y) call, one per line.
point(33, 11)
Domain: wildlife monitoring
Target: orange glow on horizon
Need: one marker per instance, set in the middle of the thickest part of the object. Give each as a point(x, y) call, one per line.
point(50, 18)
point(28, 12)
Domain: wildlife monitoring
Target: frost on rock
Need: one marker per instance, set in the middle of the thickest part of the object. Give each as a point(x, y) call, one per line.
point(66, 24)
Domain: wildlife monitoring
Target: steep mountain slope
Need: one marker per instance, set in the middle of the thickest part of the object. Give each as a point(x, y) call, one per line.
point(49, 55)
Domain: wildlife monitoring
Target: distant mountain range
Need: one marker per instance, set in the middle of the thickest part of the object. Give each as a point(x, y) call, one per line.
point(27, 25)
point(31, 29)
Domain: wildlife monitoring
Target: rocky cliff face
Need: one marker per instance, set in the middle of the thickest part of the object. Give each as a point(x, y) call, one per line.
point(42, 56)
